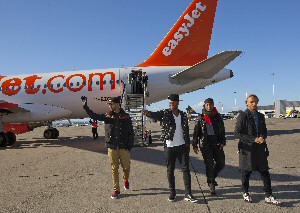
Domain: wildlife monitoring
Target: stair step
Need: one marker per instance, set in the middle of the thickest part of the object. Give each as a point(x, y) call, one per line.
point(133, 105)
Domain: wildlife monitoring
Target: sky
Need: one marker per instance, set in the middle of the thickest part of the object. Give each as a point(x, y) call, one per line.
point(39, 36)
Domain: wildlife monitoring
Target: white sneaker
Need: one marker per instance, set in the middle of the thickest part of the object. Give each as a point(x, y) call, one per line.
point(247, 198)
point(272, 200)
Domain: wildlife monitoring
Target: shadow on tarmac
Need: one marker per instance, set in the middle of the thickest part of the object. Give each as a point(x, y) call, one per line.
point(157, 157)
point(151, 156)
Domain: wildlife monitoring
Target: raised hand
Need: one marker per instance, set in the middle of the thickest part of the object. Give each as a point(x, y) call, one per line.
point(144, 112)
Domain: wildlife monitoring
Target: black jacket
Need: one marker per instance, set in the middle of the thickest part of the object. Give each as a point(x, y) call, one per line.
point(115, 124)
point(200, 131)
point(169, 126)
point(252, 156)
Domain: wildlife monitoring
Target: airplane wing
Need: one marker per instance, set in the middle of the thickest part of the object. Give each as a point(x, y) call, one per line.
point(205, 69)
point(8, 108)
point(31, 112)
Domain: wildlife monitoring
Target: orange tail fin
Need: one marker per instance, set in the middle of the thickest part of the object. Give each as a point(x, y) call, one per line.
point(187, 43)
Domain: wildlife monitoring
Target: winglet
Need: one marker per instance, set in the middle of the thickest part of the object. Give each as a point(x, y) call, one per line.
point(187, 43)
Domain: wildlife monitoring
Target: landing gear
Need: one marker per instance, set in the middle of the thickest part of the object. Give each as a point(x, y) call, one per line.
point(11, 138)
point(51, 133)
point(3, 139)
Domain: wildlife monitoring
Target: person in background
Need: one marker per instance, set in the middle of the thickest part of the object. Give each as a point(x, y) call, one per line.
point(139, 83)
point(132, 81)
point(145, 82)
point(94, 124)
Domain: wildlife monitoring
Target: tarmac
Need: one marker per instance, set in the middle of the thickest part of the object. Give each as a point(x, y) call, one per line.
point(72, 174)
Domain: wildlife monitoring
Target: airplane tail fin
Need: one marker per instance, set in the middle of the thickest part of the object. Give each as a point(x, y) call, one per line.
point(190, 110)
point(187, 43)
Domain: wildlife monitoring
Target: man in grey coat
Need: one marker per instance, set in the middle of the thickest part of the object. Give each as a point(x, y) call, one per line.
point(251, 131)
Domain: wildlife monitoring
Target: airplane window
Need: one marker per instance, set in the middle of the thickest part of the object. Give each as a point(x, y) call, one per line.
point(25, 87)
point(84, 83)
point(45, 86)
point(111, 81)
point(51, 85)
point(71, 84)
point(58, 85)
point(104, 82)
point(77, 84)
point(13, 88)
point(38, 86)
point(65, 84)
point(6, 88)
point(97, 82)
point(19, 88)
point(118, 81)
point(91, 83)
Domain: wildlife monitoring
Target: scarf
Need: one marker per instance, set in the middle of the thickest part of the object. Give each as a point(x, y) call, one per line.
point(208, 115)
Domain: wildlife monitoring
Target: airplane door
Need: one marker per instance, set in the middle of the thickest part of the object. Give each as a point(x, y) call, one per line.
point(123, 77)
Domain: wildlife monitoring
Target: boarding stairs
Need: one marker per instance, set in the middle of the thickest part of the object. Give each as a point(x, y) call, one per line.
point(133, 105)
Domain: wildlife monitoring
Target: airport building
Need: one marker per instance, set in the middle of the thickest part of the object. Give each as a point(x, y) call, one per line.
point(283, 107)
point(268, 110)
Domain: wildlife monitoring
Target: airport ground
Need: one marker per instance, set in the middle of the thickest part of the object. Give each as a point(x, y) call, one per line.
point(72, 174)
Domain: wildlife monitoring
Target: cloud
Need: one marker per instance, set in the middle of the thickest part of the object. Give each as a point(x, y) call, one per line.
point(198, 107)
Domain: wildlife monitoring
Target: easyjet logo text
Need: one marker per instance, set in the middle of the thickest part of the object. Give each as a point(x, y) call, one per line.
point(56, 84)
point(184, 30)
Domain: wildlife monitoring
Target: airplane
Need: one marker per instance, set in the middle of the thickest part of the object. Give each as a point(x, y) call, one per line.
point(227, 115)
point(179, 64)
point(192, 114)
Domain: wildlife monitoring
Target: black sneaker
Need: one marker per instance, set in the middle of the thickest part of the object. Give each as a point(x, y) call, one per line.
point(190, 197)
point(212, 189)
point(172, 197)
point(215, 183)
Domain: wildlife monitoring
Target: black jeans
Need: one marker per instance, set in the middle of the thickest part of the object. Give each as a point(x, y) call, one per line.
point(265, 177)
point(95, 133)
point(182, 154)
point(214, 159)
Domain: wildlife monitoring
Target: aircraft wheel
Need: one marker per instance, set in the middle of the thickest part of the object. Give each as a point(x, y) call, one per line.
point(55, 133)
point(48, 134)
point(150, 139)
point(3, 139)
point(11, 138)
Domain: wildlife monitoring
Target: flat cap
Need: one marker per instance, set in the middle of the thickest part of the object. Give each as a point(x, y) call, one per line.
point(174, 97)
point(116, 100)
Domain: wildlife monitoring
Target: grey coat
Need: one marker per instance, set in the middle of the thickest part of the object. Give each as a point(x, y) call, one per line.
point(252, 156)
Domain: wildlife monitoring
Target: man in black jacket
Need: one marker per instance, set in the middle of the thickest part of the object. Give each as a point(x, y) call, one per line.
point(176, 139)
point(251, 131)
point(119, 138)
point(209, 135)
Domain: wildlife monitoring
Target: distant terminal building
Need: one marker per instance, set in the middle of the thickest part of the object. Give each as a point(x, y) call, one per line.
point(268, 111)
point(283, 107)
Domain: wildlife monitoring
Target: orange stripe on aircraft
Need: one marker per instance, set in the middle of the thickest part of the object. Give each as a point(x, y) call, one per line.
point(8, 105)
